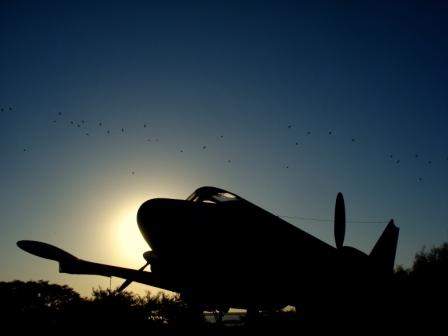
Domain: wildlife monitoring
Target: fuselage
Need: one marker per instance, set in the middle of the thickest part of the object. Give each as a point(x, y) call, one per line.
point(228, 249)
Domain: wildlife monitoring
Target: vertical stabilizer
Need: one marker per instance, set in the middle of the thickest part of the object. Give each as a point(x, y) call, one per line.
point(383, 253)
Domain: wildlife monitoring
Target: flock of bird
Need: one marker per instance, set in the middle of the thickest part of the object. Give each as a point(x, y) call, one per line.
point(100, 126)
point(108, 131)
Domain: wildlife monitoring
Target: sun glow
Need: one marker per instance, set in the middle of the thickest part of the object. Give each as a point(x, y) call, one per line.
point(130, 244)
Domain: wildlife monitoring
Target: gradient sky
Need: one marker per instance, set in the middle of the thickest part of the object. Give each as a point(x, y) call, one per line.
point(284, 103)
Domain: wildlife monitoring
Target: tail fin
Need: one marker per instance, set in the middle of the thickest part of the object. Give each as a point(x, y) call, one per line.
point(383, 253)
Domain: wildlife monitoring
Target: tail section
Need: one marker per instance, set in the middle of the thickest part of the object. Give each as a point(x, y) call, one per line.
point(383, 253)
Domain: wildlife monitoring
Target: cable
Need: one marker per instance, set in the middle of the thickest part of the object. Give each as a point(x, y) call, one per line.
point(330, 220)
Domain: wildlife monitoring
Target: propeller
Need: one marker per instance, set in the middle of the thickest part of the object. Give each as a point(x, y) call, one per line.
point(339, 221)
point(125, 284)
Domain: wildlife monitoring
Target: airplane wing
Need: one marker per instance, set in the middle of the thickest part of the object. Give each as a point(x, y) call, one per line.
point(68, 263)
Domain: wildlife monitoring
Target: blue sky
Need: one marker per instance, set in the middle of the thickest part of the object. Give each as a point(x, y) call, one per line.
point(284, 103)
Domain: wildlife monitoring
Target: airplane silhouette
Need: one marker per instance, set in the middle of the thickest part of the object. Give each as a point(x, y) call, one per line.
point(218, 250)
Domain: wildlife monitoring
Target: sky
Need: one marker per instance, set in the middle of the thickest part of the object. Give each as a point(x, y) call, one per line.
point(105, 104)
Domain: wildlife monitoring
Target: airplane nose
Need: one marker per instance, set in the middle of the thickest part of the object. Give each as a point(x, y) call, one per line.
point(157, 220)
point(148, 220)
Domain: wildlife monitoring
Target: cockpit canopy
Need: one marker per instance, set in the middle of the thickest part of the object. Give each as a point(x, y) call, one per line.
point(212, 195)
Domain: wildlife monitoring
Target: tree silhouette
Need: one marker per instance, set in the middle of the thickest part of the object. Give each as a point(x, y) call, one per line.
point(421, 291)
point(40, 303)
point(432, 265)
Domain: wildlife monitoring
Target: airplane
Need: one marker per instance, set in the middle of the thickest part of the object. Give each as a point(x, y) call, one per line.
point(219, 250)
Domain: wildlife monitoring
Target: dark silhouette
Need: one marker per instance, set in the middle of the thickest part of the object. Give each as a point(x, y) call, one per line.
point(37, 305)
point(219, 251)
point(415, 300)
point(40, 306)
point(421, 292)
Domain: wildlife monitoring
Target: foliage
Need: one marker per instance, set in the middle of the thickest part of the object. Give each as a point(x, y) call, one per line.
point(432, 264)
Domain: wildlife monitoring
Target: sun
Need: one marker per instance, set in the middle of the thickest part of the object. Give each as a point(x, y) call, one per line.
point(130, 244)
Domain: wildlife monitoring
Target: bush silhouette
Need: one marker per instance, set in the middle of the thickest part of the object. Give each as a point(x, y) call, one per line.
point(417, 297)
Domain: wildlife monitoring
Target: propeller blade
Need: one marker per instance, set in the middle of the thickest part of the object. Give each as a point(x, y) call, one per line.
point(339, 221)
point(128, 281)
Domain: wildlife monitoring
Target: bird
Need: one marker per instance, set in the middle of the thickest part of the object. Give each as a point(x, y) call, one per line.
point(330, 132)
point(289, 126)
point(60, 113)
point(204, 147)
point(108, 131)
point(144, 125)
point(122, 130)
point(308, 133)
point(353, 139)
point(100, 124)
point(420, 179)
point(297, 143)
